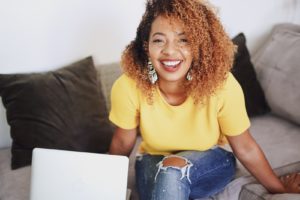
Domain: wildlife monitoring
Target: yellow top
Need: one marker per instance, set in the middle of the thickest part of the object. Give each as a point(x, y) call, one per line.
point(166, 128)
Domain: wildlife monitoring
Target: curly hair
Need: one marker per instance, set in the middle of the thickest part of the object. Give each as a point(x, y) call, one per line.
point(212, 49)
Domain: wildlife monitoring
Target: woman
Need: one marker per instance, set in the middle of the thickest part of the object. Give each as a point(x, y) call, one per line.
point(178, 89)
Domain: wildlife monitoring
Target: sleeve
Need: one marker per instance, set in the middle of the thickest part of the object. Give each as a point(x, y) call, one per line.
point(232, 115)
point(124, 103)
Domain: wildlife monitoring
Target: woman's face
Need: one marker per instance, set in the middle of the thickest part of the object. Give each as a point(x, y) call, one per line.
point(169, 50)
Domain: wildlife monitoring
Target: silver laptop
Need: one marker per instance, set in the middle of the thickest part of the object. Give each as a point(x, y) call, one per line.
point(70, 175)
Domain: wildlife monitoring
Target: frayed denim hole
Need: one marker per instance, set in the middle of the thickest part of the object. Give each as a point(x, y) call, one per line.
point(185, 170)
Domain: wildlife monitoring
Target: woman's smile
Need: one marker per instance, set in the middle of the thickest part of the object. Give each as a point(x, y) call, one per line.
point(170, 65)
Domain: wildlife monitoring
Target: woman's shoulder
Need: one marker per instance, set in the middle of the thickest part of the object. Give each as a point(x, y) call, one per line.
point(125, 85)
point(124, 81)
point(230, 83)
point(230, 88)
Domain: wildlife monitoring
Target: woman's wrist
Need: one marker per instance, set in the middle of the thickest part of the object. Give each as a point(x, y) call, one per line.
point(278, 188)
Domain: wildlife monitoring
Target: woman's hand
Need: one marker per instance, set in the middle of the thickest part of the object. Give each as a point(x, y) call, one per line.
point(291, 182)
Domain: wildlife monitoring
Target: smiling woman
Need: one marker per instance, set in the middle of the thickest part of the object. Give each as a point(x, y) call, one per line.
point(178, 89)
point(171, 56)
point(196, 31)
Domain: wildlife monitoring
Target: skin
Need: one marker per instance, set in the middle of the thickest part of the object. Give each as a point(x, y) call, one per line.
point(167, 42)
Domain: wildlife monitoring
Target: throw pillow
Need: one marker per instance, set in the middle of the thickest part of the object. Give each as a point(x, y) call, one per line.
point(245, 74)
point(279, 71)
point(62, 109)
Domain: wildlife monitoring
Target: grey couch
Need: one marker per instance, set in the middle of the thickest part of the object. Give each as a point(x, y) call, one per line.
point(278, 133)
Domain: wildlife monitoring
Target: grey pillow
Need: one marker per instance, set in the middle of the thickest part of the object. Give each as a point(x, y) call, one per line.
point(255, 191)
point(107, 74)
point(278, 69)
point(61, 109)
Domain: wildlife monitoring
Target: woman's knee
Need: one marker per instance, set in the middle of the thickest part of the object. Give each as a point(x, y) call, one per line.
point(172, 178)
point(174, 167)
point(174, 161)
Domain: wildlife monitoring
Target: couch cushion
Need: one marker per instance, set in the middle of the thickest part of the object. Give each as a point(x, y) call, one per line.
point(14, 184)
point(62, 109)
point(278, 138)
point(279, 71)
point(255, 191)
point(245, 74)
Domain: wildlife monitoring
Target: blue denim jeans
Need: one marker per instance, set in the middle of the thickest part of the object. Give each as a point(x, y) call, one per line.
point(205, 174)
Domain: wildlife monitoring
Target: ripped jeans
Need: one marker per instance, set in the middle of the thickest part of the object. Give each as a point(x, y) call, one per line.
point(205, 174)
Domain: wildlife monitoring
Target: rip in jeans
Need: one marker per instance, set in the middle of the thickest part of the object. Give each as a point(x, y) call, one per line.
point(185, 170)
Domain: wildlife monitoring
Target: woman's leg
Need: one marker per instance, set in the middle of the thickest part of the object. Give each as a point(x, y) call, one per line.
point(145, 169)
point(212, 170)
point(204, 174)
point(198, 174)
point(171, 181)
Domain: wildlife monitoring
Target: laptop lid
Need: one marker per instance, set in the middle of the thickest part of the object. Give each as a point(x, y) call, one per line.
point(70, 175)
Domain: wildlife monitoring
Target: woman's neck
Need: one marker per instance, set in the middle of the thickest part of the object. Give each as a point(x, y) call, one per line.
point(173, 92)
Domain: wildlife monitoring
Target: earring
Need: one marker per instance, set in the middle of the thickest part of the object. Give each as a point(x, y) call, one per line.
point(152, 73)
point(189, 76)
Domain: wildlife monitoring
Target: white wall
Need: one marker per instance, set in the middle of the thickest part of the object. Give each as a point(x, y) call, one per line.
point(40, 35)
point(256, 18)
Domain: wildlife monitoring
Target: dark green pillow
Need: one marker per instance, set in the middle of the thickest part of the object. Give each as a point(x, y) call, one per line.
point(243, 70)
point(62, 109)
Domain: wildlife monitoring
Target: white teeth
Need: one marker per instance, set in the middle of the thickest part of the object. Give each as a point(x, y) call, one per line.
point(171, 63)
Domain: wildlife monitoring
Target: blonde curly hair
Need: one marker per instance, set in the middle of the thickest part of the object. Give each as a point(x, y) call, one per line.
point(212, 49)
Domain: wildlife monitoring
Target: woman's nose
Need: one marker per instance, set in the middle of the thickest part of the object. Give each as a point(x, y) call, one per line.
point(169, 48)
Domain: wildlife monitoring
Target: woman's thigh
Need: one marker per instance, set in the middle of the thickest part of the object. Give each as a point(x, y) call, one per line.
point(210, 172)
point(145, 170)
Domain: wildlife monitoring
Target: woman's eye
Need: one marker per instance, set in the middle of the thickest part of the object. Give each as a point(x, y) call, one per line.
point(183, 40)
point(157, 41)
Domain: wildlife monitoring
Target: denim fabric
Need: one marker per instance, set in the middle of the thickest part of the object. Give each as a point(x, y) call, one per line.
point(206, 173)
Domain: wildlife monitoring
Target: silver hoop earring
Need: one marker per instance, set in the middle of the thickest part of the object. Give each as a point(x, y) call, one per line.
point(189, 76)
point(152, 75)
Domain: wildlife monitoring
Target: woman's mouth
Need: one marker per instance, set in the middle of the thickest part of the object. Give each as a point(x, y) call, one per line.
point(170, 65)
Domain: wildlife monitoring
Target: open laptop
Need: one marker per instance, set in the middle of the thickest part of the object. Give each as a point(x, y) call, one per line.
point(70, 175)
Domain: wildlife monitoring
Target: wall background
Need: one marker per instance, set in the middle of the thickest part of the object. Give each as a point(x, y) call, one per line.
point(43, 35)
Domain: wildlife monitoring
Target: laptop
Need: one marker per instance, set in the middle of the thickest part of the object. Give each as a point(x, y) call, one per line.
point(70, 175)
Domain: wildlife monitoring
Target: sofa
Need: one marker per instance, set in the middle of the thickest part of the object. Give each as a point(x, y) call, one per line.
point(271, 86)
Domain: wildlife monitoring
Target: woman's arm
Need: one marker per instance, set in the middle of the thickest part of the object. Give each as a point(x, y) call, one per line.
point(252, 157)
point(123, 141)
